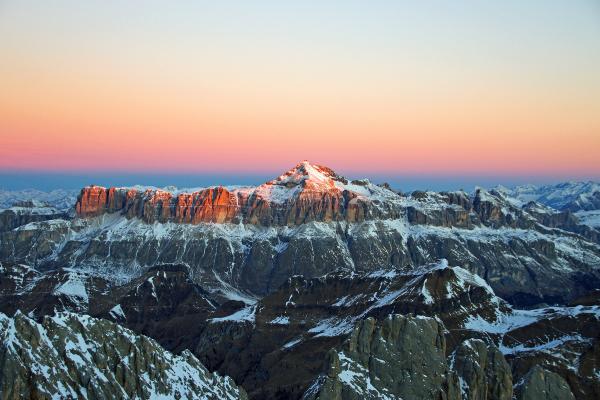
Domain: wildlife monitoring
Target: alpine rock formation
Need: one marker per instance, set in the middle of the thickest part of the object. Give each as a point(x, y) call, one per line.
point(309, 286)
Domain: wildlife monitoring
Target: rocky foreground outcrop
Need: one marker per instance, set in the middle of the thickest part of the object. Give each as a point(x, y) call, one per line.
point(400, 357)
point(163, 304)
point(405, 357)
point(274, 348)
point(482, 371)
point(76, 356)
point(540, 384)
point(278, 347)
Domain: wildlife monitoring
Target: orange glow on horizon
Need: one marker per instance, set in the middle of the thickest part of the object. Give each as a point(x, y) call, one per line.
point(164, 100)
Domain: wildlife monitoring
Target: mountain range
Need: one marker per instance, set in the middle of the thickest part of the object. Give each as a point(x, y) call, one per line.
point(308, 286)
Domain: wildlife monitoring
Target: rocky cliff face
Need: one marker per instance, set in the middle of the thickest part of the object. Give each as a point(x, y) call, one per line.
point(74, 356)
point(210, 205)
point(405, 357)
point(524, 266)
point(482, 371)
point(570, 347)
point(565, 220)
point(414, 348)
point(303, 194)
point(540, 384)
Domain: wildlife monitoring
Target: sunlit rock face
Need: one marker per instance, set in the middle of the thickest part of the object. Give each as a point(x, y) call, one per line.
point(305, 193)
point(209, 205)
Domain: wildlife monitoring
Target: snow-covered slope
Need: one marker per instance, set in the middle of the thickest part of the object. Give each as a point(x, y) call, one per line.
point(590, 218)
point(61, 199)
point(76, 356)
point(572, 196)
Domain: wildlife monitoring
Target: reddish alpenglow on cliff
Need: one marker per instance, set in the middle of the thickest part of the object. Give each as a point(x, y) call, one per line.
point(305, 193)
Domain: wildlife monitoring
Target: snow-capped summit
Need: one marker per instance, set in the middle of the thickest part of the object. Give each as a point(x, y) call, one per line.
point(308, 175)
point(302, 179)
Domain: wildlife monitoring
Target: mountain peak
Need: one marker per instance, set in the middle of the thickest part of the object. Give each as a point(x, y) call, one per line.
point(307, 175)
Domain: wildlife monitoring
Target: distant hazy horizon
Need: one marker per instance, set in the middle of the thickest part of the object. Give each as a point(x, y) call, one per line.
point(47, 181)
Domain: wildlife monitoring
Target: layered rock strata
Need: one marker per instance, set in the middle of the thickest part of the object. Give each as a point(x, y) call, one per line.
point(305, 193)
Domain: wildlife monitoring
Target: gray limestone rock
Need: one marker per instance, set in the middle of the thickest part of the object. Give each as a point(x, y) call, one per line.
point(399, 357)
point(540, 384)
point(482, 371)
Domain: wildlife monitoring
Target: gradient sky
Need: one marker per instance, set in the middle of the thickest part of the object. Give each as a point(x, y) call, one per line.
point(503, 88)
